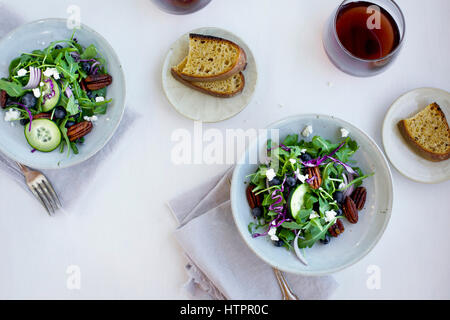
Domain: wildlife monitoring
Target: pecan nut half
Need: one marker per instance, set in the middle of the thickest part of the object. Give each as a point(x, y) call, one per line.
point(43, 115)
point(337, 229)
point(79, 130)
point(254, 200)
point(3, 98)
point(97, 81)
point(315, 179)
point(350, 211)
point(359, 197)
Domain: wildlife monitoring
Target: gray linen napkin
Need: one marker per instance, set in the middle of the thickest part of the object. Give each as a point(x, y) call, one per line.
point(220, 265)
point(80, 176)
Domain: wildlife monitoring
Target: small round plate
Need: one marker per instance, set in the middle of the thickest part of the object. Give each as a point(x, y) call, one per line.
point(199, 106)
point(402, 157)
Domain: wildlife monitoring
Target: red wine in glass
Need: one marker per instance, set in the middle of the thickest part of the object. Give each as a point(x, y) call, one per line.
point(363, 38)
point(181, 6)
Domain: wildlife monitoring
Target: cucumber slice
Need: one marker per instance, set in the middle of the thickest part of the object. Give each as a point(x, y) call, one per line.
point(296, 199)
point(44, 135)
point(52, 102)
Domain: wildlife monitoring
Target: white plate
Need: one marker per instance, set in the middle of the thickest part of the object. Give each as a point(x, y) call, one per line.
point(199, 106)
point(358, 239)
point(402, 157)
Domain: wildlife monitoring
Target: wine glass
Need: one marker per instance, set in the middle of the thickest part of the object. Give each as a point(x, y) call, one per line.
point(181, 6)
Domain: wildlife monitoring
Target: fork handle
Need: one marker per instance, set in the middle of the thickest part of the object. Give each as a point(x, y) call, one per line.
point(285, 290)
point(23, 168)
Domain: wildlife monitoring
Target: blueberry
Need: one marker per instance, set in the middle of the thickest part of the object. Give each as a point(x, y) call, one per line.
point(90, 95)
point(70, 123)
point(278, 243)
point(58, 47)
point(291, 181)
point(306, 157)
point(86, 67)
point(257, 212)
point(326, 240)
point(339, 196)
point(29, 100)
point(24, 122)
point(339, 212)
point(275, 182)
point(60, 113)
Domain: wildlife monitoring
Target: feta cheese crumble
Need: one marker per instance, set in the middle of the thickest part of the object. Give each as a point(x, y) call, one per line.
point(330, 215)
point(51, 72)
point(344, 133)
point(293, 161)
point(12, 115)
point(22, 72)
point(270, 174)
point(99, 99)
point(307, 131)
point(313, 215)
point(37, 92)
point(301, 177)
point(91, 119)
point(272, 234)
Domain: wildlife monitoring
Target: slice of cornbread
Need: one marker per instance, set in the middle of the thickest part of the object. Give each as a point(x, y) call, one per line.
point(221, 88)
point(211, 59)
point(428, 133)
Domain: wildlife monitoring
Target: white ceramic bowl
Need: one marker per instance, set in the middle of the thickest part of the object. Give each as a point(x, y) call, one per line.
point(357, 240)
point(38, 35)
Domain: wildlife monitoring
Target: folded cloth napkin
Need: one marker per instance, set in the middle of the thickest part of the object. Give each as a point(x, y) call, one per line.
point(80, 175)
point(220, 265)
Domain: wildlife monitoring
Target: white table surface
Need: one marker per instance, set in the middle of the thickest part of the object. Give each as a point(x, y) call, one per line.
point(122, 237)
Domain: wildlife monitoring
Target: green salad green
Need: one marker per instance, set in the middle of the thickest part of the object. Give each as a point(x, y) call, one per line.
point(294, 211)
point(51, 85)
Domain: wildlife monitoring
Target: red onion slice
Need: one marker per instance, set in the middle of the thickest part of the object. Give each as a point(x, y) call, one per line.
point(349, 179)
point(35, 79)
point(297, 250)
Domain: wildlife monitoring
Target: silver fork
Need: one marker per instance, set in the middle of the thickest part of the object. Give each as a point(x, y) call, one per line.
point(41, 189)
point(285, 290)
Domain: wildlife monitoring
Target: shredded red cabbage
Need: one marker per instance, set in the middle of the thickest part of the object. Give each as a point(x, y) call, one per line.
point(28, 111)
point(51, 94)
point(280, 210)
point(346, 166)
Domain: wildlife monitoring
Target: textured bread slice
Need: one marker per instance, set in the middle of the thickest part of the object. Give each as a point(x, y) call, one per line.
point(211, 59)
point(221, 88)
point(428, 133)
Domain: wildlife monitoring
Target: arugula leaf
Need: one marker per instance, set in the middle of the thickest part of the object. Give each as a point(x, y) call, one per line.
point(12, 89)
point(89, 53)
point(291, 140)
point(314, 234)
point(72, 107)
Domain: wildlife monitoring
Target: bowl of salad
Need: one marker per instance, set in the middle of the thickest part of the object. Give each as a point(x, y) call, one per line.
point(312, 195)
point(62, 94)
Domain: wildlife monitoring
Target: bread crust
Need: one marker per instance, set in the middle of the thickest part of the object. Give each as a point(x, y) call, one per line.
point(239, 65)
point(432, 156)
point(192, 85)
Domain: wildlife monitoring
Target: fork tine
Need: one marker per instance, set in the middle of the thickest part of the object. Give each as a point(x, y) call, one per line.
point(46, 195)
point(41, 200)
point(52, 192)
